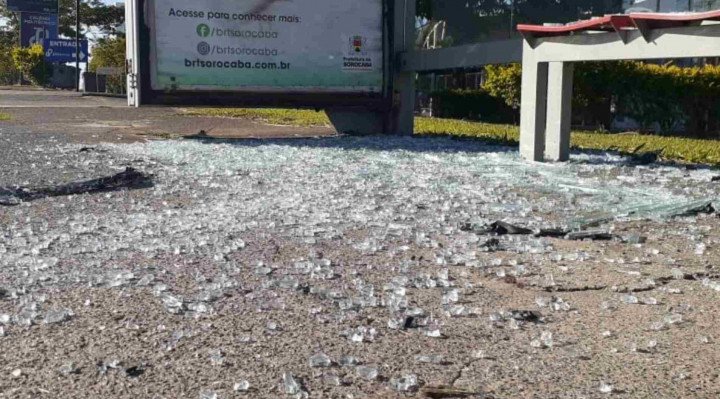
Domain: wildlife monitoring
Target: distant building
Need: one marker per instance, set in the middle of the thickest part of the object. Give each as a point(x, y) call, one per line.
point(670, 5)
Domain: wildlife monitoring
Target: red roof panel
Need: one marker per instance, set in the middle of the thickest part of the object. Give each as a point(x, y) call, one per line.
point(620, 22)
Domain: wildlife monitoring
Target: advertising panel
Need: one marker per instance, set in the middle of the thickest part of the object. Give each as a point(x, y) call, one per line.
point(267, 45)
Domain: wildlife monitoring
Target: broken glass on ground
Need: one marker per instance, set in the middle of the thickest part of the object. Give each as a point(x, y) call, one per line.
point(241, 386)
point(293, 387)
point(56, 316)
point(544, 341)
point(405, 383)
point(344, 194)
point(320, 360)
point(367, 372)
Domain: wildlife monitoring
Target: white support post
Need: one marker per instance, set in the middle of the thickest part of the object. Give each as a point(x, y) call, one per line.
point(533, 107)
point(132, 49)
point(403, 115)
point(559, 111)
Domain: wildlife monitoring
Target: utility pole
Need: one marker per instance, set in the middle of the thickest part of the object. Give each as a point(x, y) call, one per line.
point(512, 18)
point(77, 45)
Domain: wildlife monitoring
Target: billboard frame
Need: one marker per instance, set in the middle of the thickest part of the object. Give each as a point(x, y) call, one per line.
point(36, 10)
point(141, 52)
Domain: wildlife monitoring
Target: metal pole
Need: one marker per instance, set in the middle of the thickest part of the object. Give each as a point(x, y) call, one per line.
point(77, 45)
point(20, 43)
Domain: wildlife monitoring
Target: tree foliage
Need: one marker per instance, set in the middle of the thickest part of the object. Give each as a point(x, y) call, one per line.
point(8, 72)
point(31, 62)
point(504, 81)
point(110, 52)
point(93, 13)
point(658, 97)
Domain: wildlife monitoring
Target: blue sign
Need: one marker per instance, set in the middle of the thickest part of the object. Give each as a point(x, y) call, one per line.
point(35, 28)
point(63, 50)
point(41, 6)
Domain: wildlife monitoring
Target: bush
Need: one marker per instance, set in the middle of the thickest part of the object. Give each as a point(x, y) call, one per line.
point(504, 82)
point(666, 95)
point(30, 61)
point(110, 53)
point(472, 104)
point(8, 72)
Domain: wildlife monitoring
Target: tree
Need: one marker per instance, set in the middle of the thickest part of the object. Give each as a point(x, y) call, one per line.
point(31, 62)
point(8, 72)
point(93, 13)
point(110, 52)
point(504, 82)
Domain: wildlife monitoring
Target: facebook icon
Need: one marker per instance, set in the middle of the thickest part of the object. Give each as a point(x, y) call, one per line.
point(203, 30)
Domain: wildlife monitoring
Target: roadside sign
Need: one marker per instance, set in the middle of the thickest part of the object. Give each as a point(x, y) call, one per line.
point(63, 50)
point(113, 71)
point(35, 28)
point(41, 6)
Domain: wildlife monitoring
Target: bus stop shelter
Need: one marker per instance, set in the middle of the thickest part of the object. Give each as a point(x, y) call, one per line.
point(550, 51)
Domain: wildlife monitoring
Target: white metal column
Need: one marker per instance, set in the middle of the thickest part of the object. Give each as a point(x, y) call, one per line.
point(559, 111)
point(132, 47)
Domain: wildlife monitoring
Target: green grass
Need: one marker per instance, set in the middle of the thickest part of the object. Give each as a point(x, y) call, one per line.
point(4, 116)
point(670, 148)
point(273, 116)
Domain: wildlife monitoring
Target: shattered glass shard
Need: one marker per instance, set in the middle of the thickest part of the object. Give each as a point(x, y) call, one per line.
point(320, 360)
point(57, 316)
point(405, 383)
point(367, 372)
